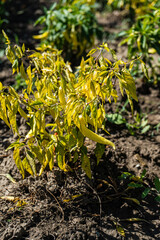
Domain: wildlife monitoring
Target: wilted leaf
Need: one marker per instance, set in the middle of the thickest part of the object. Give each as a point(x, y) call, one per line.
point(21, 203)
point(9, 177)
point(133, 200)
point(9, 198)
point(134, 220)
point(72, 198)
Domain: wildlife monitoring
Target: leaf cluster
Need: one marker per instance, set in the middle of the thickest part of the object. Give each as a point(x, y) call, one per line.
point(136, 182)
point(139, 122)
point(70, 26)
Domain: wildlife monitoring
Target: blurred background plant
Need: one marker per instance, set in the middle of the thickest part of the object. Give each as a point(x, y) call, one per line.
point(3, 21)
point(70, 26)
point(143, 39)
point(135, 8)
point(19, 82)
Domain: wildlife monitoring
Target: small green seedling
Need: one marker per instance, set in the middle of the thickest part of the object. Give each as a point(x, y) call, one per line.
point(140, 182)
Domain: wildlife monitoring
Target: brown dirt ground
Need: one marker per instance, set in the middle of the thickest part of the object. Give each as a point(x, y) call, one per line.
point(100, 207)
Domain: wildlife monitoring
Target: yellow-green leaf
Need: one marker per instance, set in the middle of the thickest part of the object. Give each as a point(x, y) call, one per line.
point(72, 198)
point(22, 71)
point(1, 86)
point(22, 113)
point(120, 230)
point(29, 83)
point(86, 164)
point(6, 37)
point(21, 203)
point(23, 48)
point(41, 36)
point(91, 52)
point(31, 160)
point(3, 112)
point(17, 159)
point(27, 166)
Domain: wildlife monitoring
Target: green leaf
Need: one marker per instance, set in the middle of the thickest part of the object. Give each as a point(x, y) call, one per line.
point(145, 192)
point(115, 118)
point(125, 175)
point(157, 184)
point(135, 185)
point(145, 129)
point(157, 198)
point(60, 157)
point(99, 151)
point(50, 156)
point(80, 139)
point(143, 174)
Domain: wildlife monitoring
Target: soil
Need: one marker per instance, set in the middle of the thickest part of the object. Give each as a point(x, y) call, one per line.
point(66, 206)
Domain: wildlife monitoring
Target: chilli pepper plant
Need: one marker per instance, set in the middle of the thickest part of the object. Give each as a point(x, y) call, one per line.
point(74, 103)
